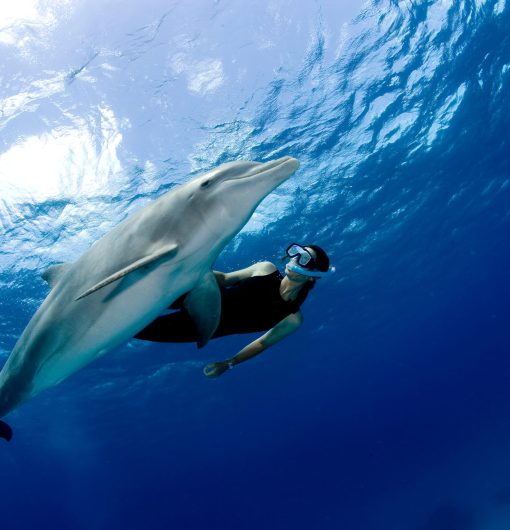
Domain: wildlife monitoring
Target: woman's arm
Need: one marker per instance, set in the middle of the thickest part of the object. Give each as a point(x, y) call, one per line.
point(257, 269)
point(284, 328)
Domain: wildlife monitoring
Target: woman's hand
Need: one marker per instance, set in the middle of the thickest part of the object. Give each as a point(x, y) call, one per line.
point(216, 369)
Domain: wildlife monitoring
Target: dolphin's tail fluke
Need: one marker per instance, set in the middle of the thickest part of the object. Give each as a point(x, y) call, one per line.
point(5, 431)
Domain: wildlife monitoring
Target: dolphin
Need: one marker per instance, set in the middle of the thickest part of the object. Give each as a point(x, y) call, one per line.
point(133, 273)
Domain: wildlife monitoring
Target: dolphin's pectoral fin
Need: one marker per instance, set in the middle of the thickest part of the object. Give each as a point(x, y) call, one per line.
point(165, 253)
point(5, 431)
point(54, 272)
point(203, 304)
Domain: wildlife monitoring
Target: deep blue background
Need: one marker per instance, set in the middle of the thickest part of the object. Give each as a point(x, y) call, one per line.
point(390, 408)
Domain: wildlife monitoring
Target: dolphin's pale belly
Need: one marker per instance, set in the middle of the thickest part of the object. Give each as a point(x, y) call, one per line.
point(57, 343)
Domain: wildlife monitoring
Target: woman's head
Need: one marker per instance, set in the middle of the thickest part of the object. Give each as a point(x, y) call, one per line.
point(308, 260)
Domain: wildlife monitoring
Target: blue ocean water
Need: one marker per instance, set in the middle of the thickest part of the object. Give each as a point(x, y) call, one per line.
point(389, 409)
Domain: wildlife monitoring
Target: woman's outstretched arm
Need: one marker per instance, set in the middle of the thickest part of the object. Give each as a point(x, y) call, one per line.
point(283, 329)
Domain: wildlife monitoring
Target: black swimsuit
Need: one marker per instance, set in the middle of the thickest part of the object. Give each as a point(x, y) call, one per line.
point(252, 304)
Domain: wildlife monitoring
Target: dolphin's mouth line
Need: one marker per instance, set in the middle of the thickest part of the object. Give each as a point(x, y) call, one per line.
point(268, 166)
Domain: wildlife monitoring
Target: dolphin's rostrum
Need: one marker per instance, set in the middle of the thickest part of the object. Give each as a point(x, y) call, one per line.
point(133, 273)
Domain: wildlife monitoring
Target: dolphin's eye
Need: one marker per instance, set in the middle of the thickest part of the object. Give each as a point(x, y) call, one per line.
point(205, 184)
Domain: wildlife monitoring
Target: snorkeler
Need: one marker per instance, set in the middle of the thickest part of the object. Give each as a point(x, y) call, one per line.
point(257, 298)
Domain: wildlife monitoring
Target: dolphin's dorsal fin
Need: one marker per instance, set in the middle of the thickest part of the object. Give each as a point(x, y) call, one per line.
point(54, 272)
point(165, 253)
point(203, 304)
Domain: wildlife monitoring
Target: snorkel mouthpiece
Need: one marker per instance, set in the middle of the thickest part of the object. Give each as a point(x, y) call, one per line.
point(294, 266)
